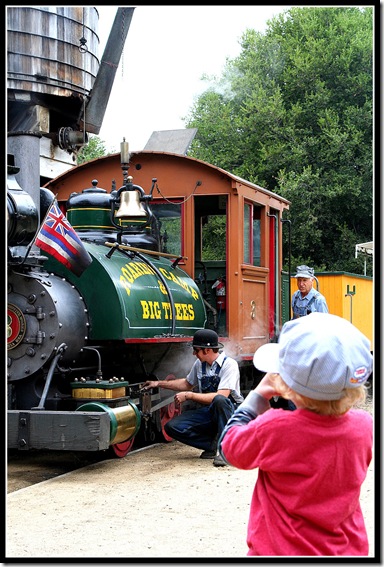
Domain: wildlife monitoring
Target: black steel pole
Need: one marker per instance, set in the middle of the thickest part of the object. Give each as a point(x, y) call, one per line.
point(289, 264)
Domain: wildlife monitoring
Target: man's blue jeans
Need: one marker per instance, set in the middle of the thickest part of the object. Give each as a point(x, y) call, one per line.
point(201, 427)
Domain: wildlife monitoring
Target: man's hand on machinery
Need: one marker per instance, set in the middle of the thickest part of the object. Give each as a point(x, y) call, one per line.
point(149, 384)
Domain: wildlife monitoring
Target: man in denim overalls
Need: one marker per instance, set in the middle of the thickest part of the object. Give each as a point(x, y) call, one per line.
point(213, 387)
point(307, 299)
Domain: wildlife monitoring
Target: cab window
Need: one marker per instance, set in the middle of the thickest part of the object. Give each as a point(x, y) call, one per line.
point(252, 234)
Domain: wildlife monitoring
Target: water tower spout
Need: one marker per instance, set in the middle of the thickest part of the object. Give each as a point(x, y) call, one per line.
point(99, 97)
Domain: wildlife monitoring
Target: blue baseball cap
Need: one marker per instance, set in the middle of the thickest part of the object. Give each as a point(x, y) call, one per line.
point(318, 356)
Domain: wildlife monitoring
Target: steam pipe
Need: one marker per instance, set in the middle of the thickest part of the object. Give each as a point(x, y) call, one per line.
point(48, 379)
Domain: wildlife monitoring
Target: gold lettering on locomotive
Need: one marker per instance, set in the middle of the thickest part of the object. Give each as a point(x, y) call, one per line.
point(140, 269)
point(167, 310)
point(179, 311)
point(126, 285)
point(162, 287)
point(131, 271)
point(152, 310)
point(171, 276)
point(184, 312)
point(145, 308)
point(155, 310)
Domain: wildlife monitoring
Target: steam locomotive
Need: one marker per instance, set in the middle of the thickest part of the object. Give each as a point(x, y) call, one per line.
point(81, 345)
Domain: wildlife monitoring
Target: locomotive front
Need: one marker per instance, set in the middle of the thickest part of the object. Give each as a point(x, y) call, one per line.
point(81, 343)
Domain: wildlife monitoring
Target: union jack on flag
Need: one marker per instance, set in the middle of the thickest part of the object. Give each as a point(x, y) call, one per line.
point(57, 237)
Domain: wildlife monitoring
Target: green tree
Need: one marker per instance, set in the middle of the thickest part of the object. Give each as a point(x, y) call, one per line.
point(214, 238)
point(94, 149)
point(294, 113)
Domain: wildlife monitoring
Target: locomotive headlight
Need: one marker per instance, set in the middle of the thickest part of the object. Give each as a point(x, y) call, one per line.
point(22, 218)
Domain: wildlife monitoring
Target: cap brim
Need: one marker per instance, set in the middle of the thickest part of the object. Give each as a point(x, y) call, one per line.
point(219, 345)
point(266, 358)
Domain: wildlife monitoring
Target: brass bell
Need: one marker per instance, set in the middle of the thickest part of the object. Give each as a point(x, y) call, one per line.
point(130, 205)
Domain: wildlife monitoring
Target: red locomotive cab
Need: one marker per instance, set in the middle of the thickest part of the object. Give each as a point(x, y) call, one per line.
point(221, 300)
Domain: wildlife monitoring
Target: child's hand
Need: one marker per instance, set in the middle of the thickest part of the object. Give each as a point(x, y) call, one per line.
point(266, 387)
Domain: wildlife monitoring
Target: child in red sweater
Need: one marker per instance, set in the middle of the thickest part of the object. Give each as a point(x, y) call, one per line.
point(312, 461)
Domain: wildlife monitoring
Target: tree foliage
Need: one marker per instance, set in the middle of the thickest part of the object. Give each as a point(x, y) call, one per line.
point(93, 149)
point(294, 113)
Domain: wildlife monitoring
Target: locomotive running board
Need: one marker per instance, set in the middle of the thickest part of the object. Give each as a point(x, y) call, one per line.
point(80, 431)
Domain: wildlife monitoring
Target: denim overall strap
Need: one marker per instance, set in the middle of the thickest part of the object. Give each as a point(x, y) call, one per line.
point(297, 314)
point(210, 383)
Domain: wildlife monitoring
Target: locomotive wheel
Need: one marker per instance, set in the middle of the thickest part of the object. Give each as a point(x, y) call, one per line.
point(167, 413)
point(121, 449)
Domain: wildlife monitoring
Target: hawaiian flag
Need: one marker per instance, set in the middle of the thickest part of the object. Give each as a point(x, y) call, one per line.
point(57, 237)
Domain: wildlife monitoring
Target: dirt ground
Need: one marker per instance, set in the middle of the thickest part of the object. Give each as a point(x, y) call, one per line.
point(158, 502)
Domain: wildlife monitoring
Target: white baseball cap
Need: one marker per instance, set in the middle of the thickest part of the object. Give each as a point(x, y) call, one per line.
point(318, 356)
point(304, 272)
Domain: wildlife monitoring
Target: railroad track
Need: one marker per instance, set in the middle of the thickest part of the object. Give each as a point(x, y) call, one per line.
point(28, 468)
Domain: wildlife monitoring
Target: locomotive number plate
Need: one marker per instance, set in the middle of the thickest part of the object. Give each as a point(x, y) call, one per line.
point(15, 326)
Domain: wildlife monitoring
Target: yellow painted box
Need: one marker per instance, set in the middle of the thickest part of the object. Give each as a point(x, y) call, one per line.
point(349, 296)
point(98, 390)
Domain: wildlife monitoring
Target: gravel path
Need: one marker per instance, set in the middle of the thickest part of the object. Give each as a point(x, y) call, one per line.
point(158, 502)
